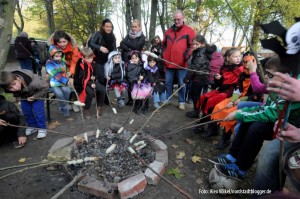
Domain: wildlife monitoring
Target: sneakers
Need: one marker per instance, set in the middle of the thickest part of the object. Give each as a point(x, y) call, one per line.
point(220, 159)
point(231, 170)
point(121, 103)
point(294, 161)
point(86, 113)
point(75, 108)
point(30, 131)
point(156, 105)
point(182, 106)
point(64, 110)
point(192, 114)
point(41, 134)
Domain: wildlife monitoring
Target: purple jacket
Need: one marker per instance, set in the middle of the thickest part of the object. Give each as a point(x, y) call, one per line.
point(215, 64)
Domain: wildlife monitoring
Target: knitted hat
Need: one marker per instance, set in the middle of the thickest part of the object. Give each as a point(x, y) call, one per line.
point(53, 49)
point(23, 34)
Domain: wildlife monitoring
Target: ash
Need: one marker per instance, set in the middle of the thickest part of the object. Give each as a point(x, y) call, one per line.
point(115, 166)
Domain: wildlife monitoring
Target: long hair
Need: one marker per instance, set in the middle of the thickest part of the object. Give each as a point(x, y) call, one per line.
point(103, 24)
point(60, 34)
point(228, 53)
point(109, 65)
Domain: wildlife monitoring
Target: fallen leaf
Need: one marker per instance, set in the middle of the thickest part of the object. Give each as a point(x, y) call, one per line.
point(53, 125)
point(174, 146)
point(199, 181)
point(189, 141)
point(179, 163)
point(175, 172)
point(196, 159)
point(22, 160)
point(180, 155)
point(69, 119)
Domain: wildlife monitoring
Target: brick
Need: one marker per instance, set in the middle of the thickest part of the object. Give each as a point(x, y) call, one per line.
point(151, 177)
point(162, 156)
point(97, 188)
point(61, 143)
point(132, 186)
point(61, 154)
point(158, 145)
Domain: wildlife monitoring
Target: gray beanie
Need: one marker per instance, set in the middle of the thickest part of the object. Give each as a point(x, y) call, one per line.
point(23, 34)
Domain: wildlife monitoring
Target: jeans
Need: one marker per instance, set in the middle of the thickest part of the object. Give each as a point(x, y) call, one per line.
point(118, 94)
point(159, 97)
point(34, 113)
point(267, 171)
point(26, 63)
point(180, 73)
point(241, 105)
point(62, 93)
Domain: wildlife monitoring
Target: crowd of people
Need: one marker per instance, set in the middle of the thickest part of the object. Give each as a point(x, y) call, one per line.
point(235, 99)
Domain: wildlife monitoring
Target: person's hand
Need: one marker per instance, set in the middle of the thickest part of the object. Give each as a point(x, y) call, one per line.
point(290, 134)
point(141, 77)
point(93, 85)
point(218, 76)
point(236, 102)
point(3, 123)
point(103, 49)
point(232, 116)
point(252, 66)
point(22, 139)
point(108, 78)
point(186, 80)
point(71, 81)
point(287, 89)
point(139, 81)
point(230, 104)
point(30, 99)
point(154, 84)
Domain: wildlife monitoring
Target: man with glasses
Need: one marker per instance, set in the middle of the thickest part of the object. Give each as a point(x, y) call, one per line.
point(177, 48)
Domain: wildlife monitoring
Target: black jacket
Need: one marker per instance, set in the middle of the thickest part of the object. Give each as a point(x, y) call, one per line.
point(199, 62)
point(134, 71)
point(23, 48)
point(118, 73)
point(152, 76)
point(9, 107)
point(128, 44)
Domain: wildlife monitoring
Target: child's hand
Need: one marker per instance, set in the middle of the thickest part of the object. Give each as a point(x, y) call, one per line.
point(30, 99)
point(108, 78)
point(218, 76)
point(231, 116)
point(93, 86)
point(22, 139)
point(236, 102)
point(252, 66)
point(230, 104)
point(141, 77)
point(139, 81)
point(3, 123)
point(154, 84)
point(290, 134)
point(71, 81)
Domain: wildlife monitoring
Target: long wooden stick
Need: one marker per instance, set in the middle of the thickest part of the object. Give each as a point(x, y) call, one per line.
point(187, 195)
point(21, 170)
point(70, 184)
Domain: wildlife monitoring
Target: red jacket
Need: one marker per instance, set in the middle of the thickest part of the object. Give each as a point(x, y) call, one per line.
point(177, 45)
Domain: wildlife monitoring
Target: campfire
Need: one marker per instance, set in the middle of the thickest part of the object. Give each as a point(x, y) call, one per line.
point(106, 159)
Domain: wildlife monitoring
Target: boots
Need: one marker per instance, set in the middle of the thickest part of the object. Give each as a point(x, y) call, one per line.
point(212, 130)
point(146, 107)
point(99, 112)
point(224, 142)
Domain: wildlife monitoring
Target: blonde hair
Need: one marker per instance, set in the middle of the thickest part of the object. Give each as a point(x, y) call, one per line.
point(137, 21)
point(87, 52)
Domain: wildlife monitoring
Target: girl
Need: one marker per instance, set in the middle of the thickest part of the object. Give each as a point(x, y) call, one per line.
point(225, 83)
point(152, 76)
point(87, 84)
point(157, 49)
point(115, 73)
point(28, 86)
point(57, 71)
point(199, 62)
point(135, 74)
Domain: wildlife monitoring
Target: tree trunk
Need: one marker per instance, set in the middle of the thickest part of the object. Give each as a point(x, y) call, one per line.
point(234, 34)
point(153, 19)
point(161, 16)
point(136, 13)
point(21, 26)
point(128, 15)
point(7, 10)
point(50, 16)
point(256, 26)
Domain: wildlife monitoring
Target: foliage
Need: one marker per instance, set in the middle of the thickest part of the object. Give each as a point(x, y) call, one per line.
point(175, 172)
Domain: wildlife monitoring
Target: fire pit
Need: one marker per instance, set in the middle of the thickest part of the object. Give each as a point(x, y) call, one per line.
point(109, 169)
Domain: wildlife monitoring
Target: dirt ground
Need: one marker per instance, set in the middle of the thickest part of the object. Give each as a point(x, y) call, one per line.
point(43, 183)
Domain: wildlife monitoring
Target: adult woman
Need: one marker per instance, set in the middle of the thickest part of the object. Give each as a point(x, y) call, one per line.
point(156, 48)
point(135, 40)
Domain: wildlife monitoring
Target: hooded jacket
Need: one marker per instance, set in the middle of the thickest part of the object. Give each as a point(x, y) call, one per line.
point(115, 71)
point(56, 70)
point(177, 45)
point(215, 65)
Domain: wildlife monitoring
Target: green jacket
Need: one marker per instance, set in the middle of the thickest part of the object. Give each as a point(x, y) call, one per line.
point(268, 112)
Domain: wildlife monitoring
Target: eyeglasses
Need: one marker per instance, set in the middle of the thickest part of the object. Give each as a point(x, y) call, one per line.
point(270, 75)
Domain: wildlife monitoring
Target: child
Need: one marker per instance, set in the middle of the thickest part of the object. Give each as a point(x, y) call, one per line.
point(199, 62)
point(29, 87)
point(225, 82)
point(257, 126)
point(115, 73)
point(135, 74)
point(152, 76)
point(243, 92)
point(9, 113)
point(87, 84)
point(56, 70)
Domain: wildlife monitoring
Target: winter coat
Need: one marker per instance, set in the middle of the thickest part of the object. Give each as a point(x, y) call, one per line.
point(134, 71)
point(128, 44)
point(177, 45)
point(9, 107)
point(215, 65)
point(71, 53)
point(199, 62)
point(35, 86)
point(152, 76)
point(96, 42)
point(23, 48)
point(118, 73)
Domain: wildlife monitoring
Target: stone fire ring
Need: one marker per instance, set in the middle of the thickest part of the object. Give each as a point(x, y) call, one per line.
point(128, 188)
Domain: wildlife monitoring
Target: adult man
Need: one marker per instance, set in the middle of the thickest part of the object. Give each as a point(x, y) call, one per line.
point(177, 48)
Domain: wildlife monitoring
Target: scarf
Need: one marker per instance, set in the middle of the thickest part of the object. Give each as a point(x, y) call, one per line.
point(152, 70)
point(108, 41)
point(133, 35)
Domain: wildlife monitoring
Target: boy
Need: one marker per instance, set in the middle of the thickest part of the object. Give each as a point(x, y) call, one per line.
point(29, 87)
point(86, 83)
point(257, 126)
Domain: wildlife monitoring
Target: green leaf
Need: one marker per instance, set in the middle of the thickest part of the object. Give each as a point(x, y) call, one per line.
point(175, 172)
